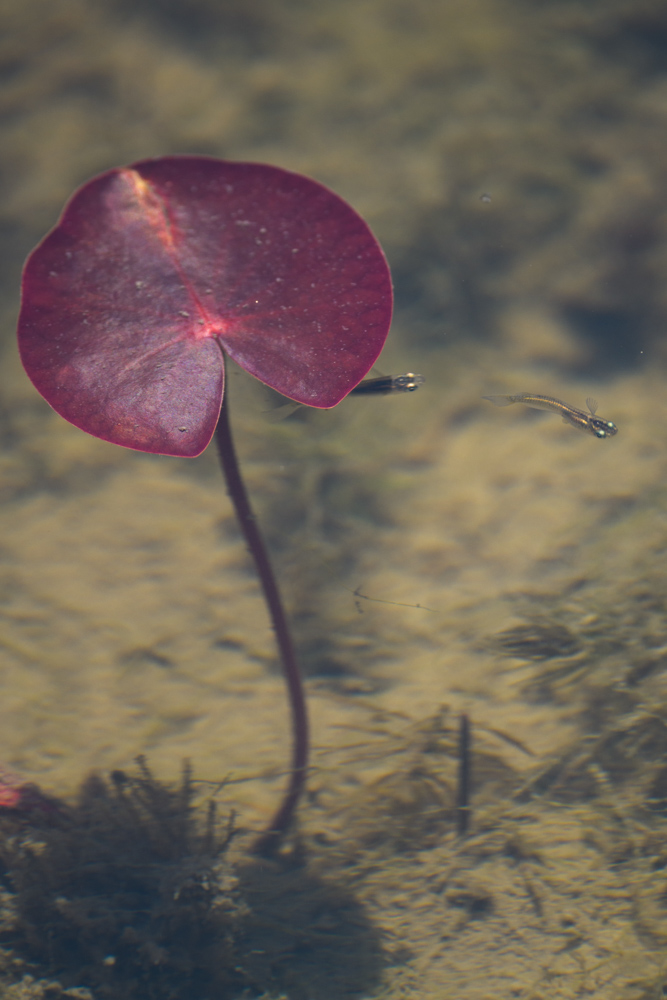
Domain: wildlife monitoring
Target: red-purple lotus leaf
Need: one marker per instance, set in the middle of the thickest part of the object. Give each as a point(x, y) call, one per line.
point(154, 269)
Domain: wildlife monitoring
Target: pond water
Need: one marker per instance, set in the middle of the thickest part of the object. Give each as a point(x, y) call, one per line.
point(438, 556)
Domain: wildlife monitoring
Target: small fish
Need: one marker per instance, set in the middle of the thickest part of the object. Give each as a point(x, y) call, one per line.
point(381, 386)
point(570, 414)
point(385, 384)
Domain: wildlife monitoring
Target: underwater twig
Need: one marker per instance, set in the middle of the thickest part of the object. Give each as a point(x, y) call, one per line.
point(464, 776)
point(269, 841)
point(378, 600)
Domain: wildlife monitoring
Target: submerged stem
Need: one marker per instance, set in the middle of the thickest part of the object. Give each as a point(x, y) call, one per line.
point(269, 841)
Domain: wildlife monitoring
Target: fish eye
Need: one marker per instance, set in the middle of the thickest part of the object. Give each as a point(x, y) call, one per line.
point(600, 432)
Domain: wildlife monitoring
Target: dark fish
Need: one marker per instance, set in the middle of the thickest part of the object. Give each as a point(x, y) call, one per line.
point(386, 384)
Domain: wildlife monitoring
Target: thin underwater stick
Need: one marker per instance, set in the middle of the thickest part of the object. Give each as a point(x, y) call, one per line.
point(269, 841)
point(464, 777)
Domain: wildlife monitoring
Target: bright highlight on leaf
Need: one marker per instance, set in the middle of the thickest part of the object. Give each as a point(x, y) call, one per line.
point(155, 269)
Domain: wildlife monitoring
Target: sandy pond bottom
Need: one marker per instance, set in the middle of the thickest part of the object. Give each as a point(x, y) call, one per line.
point(523, 560)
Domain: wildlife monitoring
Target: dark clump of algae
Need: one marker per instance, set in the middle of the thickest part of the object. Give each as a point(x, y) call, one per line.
point(130, 892)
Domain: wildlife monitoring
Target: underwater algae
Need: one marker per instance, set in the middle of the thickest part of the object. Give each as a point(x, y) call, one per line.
point(123, 888)
point(129, 892)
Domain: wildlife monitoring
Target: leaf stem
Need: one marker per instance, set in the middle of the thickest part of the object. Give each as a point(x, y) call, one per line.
point(269, 841)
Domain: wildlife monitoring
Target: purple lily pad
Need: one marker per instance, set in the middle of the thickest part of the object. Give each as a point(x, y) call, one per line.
point(155, 269)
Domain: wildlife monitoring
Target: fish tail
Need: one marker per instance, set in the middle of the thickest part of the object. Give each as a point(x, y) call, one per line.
point(500, 400)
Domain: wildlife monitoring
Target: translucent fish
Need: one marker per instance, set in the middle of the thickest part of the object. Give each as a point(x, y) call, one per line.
point(571, 415)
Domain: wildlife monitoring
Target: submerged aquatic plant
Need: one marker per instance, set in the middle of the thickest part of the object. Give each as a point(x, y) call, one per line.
point(131, 893)
point(418, 801)
point(157, 271)
point(127, 890)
